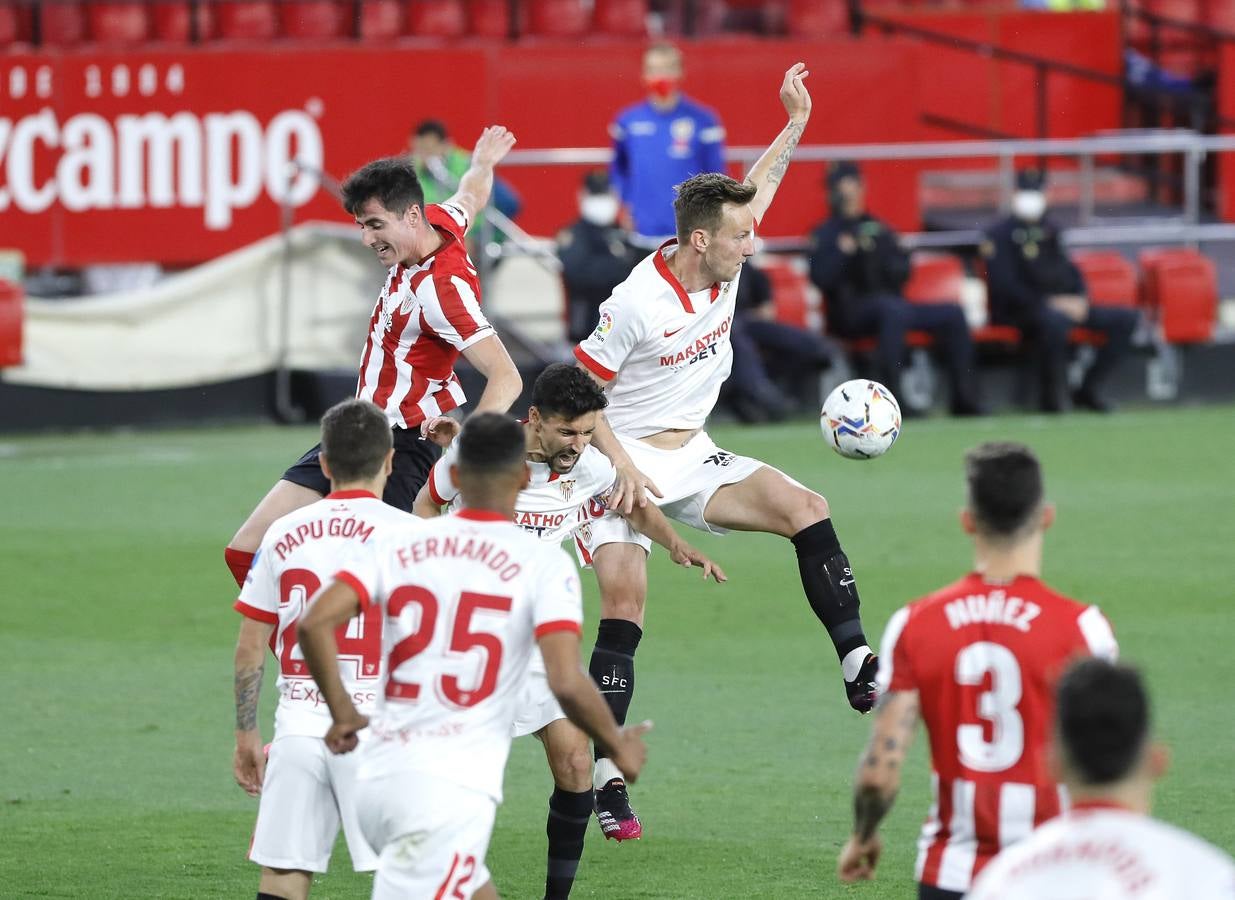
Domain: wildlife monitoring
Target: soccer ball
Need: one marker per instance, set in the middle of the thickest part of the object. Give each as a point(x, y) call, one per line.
point(860, 419)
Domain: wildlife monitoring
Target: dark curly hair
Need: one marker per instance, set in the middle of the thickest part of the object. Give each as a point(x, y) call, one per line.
point(392, 181)
point(568, 392)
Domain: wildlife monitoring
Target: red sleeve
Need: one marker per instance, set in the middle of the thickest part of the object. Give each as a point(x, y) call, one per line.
point(252, 612)
point(558, 625)
point(437, 498)
point(593, 366)
point(449, 217)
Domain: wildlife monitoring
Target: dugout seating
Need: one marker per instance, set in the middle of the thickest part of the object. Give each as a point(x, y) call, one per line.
point(556, 18)
point(817, 18)
point(314, 20)
point(118, 24)
point(488, 18)
point(620, 18)
point(253, 20)
point(171, 22)
point(14, 25)
point(1180, 289)
point(382, 20)
point(61, 24)
point(436, 18)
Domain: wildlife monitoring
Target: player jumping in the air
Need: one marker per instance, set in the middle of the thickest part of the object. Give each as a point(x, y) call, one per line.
point(306, 792)
point(661, 347)
point(976, 661)
point(466, 598)
point(570, 486)
point(427, 314)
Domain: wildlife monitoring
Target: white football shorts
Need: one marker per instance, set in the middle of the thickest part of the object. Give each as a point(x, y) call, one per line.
point(308, 791)
point(687, 476)
point(433, 835)
point(537, 706)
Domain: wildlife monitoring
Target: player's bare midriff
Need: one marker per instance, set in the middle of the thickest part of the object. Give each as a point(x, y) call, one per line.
point(671, 438)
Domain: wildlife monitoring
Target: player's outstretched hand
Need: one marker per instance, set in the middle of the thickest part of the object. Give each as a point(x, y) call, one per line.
point(862, 691)
point(631, 753)
point(858, 858)
point(794, 95)
point(249, 763)
point(441, 430)
point(629, 491)
point(342, 736)
point(686, 555)
point(494, 143)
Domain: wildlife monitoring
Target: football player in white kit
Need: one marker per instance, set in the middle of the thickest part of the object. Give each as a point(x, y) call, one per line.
point(1106, 845)
point(661, 348)
point(466, 599)
point(570, 486)
point(306, 792)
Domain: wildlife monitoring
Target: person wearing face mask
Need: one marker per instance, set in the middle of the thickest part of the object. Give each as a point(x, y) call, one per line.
point(659, 143)
point(1036, 287)
point(595, 254)
point(857, 262)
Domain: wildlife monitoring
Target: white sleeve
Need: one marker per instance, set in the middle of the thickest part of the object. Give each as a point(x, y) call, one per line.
point(619, 330)
point(441, 487)
point(1098, 634)
point(558, 601)
point(259, 597)
point(360, 568)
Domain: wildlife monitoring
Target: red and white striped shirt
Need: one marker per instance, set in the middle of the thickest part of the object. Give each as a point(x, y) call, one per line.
point(426, 315)
point(984, 657)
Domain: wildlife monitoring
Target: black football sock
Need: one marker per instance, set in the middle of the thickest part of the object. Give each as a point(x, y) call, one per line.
point(613, 665)
point(569, 814)
point(262, 896)
point(829, 585)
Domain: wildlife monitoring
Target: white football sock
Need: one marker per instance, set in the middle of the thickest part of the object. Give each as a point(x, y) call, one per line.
point(852, 662)
point(605, 772)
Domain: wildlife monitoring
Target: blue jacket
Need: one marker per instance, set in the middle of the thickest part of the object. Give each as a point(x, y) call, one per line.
point(654, 150)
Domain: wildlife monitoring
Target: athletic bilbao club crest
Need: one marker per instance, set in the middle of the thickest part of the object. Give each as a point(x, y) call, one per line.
point(568, 487)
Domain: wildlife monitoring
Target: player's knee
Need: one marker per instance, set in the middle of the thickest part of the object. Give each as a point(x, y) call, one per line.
point(572, 768)
point(625, 602)
point(808, 509)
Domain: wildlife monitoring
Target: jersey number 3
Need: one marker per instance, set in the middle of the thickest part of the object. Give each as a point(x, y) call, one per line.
point(462, 639)
point(998, 706)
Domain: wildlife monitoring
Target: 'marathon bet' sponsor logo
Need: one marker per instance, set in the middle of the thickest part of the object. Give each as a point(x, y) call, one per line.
point(219, 162)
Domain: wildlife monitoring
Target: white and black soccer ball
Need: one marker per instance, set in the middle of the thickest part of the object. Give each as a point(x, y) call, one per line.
point(860, 419)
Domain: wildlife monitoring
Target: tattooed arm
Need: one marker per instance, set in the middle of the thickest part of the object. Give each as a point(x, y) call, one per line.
point(249, 763)
point(878, 779)
point(769, 170)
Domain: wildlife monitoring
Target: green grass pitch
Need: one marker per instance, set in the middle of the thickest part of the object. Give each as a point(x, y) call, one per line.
point(117, 637)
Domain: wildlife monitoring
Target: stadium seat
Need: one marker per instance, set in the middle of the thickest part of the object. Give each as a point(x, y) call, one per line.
point(557, 18)
point(622, 18)
point(817, 18)
point(1110, 280)
point(313, 20)
point(61, 24)
point(14, 25)
point(1181, 287)
point(381, 20)
point(489, 18)
point(436, 18)
point(935, 278)
point(118, 23)
point(794, 297)
point(246, 20)
point(171, 22)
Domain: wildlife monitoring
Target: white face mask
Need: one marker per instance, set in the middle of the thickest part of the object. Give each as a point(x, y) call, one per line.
point(1028, 206)
point(599, 209)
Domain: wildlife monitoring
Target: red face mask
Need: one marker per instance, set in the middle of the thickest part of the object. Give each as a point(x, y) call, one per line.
point(662, 88)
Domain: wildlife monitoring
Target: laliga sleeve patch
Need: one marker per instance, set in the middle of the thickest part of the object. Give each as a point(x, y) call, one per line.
point(603, 327)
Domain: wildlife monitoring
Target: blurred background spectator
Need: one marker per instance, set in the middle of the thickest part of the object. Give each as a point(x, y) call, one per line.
point(595, 254)
point(1036, 287)
point(857, 262)
point(660, 143)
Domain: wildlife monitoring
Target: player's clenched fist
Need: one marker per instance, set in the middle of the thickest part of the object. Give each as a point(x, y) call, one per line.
point(342, 736)
point(794, 95)
point(631, 753)
point(494, 143)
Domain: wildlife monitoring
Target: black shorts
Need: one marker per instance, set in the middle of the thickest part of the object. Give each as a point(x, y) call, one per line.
point(413, 460)
point(930, 892)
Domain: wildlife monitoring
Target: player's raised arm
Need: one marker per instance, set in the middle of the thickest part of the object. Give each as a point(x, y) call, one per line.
point(503, 384)
point(650, 521)
point(477, 182)
point(769, 170)
point(249, 762)
point(877, 781)
point(331, 608)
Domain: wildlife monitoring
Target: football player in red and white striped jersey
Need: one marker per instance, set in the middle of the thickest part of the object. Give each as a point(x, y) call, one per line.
point(977, 662)
point(427, 315)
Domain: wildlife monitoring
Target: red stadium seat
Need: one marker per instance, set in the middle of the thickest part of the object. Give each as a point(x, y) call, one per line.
point(489, 18)
point(171, 22)
point(935, 278)
point(118, 23)
point(624, 18)
point(1110, 280)
point(557, 18)
point(796, 301)
point(246, 20)
point(436, 18)
point(381, 19)
point(313, 20)
point(1181, 287)
point(61, 24)
point(817, 18)
point(14, 25)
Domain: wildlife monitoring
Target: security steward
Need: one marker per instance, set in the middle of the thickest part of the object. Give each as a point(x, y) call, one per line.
point(1036, 287)
point(595, 253)
point(857, 262)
